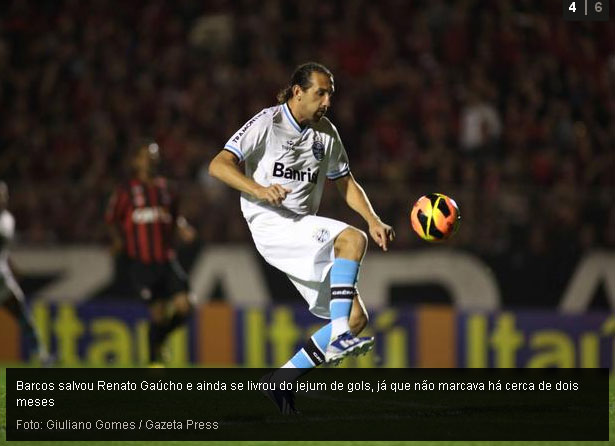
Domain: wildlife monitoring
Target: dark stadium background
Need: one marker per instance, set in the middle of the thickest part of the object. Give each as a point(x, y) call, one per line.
point(502, 105)
point(534, 176)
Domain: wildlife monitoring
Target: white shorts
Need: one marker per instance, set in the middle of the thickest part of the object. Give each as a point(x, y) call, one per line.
point(301, 247)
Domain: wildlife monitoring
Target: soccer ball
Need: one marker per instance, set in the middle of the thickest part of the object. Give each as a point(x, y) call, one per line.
point(435, 217)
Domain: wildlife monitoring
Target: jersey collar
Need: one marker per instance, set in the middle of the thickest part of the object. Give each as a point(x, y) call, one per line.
point(293, 122)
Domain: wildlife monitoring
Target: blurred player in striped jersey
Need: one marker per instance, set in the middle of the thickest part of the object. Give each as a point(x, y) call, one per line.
point(11, 296)
point(287, 152)
point(144, 219)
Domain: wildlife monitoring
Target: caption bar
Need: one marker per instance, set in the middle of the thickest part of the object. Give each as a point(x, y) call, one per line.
point(335, 404)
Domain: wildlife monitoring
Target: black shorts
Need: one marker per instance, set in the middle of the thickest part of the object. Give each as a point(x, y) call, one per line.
point(157, 281)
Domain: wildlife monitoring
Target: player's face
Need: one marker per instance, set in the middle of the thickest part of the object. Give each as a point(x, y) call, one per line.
point(146, 159)
point(316, 100)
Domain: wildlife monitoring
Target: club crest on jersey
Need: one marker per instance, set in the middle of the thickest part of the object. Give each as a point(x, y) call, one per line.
point(321, 235)
point(318, 149)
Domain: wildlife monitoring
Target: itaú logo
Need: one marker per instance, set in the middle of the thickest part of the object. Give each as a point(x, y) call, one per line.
point(151, 215)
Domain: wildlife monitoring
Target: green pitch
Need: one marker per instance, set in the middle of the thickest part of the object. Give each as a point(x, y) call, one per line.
point(306, 443)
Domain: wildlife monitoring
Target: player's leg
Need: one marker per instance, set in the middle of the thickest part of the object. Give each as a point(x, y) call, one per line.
point(180, 310)
point(181, 305)
point(349, 246)
point(304, 250)
point(311, 355)
point(313, 352)
point(157, 312)
point(358, 316)
point(17, 308)
point(174, 283)
point(144, 280)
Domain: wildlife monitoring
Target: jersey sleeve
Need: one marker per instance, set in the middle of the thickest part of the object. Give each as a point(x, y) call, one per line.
point(251, 137)
point(7, 226)
point(117, 207)
point(338, 161)
point(174, 203)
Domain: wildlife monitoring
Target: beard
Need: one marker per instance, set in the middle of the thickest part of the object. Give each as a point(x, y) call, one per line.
point(319, 114)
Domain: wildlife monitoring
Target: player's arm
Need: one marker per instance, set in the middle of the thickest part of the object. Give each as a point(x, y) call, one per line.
point(357, 200)
point(13, 268)
point(185, 230)
point(117, 243)
point(112, 218)
point(225, 167)
point(7, 233)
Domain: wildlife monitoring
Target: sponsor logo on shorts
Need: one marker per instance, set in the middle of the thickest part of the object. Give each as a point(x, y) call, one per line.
point(321, 235)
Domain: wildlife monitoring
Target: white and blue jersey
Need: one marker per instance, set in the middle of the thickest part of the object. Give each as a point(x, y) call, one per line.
point(291, 237)
point(275, 149)
point(8, 284)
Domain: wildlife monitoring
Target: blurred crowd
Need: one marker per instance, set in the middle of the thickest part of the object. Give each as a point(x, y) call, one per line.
point(502, 105)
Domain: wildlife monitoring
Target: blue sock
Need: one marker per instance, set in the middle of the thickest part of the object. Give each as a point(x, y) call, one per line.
point(343, 289)
point(311, 355)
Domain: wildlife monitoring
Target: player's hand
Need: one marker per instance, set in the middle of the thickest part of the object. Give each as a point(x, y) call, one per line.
point(185, 230)
point(273, 194)
point(117, 246)
point(186, 233)
point(381, 233)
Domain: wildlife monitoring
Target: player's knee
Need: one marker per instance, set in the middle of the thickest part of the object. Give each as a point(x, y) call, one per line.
point(182, 304)
point(357, 322)
point(157, 312)
point(351, 243)
point(156, 317)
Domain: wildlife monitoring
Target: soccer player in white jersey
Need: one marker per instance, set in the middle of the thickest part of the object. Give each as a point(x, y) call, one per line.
point(287, 152)
point(11, 296)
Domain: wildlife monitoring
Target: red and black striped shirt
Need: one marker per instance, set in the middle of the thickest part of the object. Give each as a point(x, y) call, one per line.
point(146, 214)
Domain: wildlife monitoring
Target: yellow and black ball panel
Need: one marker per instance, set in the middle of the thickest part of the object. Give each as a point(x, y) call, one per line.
point(435, 217)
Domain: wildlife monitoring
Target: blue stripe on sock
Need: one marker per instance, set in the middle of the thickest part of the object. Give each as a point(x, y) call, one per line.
point(344, 272)
point(301, 361)
point(340, 308)
point(322, 336)
point(321, 339)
